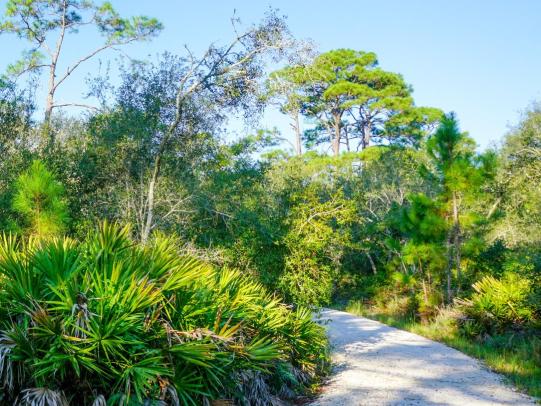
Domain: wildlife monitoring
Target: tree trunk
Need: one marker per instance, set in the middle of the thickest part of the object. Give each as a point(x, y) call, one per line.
point(454, 251)
point(49, 106)
point(48, 133)
point(449, 284)
point(297, 128)
point(449, 268)
point(372, 264)
point(336, 141)
point(457, 242)
point(367, 134)
point(149, 217)
point(425, 292)
point(52, 85)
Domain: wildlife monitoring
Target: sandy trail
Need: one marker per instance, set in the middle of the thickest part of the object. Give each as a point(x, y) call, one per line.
point(381, 365)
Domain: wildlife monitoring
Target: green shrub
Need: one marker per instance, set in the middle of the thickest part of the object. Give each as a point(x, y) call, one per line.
point(39, 199)
point(306, 282)
point(497, 305)
point(429, 304)
point(356, 307)
point(108, 321)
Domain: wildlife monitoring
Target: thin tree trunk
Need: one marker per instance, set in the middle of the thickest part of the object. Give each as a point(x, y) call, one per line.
point(372, 264)
point(297, 128)
point(457, 242)
point(449, 284)
point(50, 94)
point(48, 133)
point(425, 291)
point(336, 141)
point(149, 218)
point(149, 215)
point(367, 134)
point(449, 268)
point(52, 85)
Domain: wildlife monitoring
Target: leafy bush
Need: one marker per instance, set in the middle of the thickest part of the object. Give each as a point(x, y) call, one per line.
point(429, 304)
point(497, 304)
point(306, 282)
point(111, 322)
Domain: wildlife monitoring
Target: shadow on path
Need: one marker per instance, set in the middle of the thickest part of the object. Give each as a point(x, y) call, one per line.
point(381, 365)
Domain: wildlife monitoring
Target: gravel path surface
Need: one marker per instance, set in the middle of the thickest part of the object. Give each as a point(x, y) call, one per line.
point(381, 365)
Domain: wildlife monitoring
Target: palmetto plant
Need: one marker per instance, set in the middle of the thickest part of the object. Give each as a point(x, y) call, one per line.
point(498, 304)
point(108, 321)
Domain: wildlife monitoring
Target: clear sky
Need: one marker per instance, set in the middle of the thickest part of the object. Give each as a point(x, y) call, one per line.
point(480, 58)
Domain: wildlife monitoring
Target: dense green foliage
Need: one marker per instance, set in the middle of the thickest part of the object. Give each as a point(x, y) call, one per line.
point(39, 199)
point(107, 318)
point(380, 203)
point(498, 304)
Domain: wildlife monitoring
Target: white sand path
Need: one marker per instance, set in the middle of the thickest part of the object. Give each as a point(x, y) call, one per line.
point(380, 365)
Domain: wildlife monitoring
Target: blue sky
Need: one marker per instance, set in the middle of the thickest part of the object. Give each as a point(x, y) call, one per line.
point(481, 59)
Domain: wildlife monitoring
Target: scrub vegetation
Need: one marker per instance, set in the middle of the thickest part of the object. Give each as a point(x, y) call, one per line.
point(151, 256)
